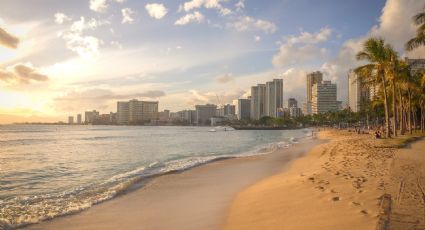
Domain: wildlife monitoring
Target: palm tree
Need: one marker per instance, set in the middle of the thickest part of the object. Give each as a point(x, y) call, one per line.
point(392, 71)
point(375, 51)
point(419, 39)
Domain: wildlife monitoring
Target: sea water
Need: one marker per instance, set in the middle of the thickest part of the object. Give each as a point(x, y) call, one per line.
point(48, 171)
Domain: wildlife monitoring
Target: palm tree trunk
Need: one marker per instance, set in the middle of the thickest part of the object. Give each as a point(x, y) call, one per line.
point(387, 117)
point(422, 118)
point(415, 117)
point(410, 112)
point(394, 108)
point(402, 130)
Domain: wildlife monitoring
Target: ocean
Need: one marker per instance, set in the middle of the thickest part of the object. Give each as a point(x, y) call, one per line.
point(48, 171)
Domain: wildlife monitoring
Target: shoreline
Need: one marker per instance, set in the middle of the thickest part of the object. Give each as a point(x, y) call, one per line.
point(342, 184)
point(224, 176)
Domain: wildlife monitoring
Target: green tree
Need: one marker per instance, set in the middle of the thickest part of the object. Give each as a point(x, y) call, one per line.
point(375, 51)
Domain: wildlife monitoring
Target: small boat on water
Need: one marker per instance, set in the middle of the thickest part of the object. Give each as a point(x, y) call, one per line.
point(221, 128)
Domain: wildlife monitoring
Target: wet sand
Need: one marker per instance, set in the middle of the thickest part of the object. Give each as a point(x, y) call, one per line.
point(194, 199)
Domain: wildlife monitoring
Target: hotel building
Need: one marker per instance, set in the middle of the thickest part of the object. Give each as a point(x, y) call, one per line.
point(323, 97)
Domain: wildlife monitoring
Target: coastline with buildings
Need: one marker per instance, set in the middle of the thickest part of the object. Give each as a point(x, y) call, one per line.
point(212, 115)
point(265, 102)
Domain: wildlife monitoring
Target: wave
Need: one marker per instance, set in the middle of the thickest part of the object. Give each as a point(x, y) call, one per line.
point(24, 210)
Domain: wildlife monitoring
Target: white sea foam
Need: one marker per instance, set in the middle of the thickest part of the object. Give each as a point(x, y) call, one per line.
point(18, 210)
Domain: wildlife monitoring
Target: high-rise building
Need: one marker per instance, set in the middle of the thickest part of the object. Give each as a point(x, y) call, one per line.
point(306, 110)
point(79, 119)
point(292, 102)
point(323, 97)
point(122, 112)
point(358, 94)
point(258, 101)
point(70, 120)
point(273, 97)
point(312, 78)
point(244, 109)
point(204, 113)
point(184, 116)
point(416, 65)
point(136, 112)
point(229, 110)
point(254, 103)
point(91, 116)
point(294, 111)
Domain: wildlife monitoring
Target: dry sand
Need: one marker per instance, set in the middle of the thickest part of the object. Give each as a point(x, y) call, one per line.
point(339, 185)
point(193, 199)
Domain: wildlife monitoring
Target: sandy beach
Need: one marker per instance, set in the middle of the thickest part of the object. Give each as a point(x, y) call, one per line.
point(194, 199)
point(341, 180)
point(351, 182)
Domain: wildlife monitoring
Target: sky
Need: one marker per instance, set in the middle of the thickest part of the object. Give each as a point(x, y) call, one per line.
point(61, 58)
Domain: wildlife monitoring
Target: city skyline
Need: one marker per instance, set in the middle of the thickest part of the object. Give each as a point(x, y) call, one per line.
point(88, 54)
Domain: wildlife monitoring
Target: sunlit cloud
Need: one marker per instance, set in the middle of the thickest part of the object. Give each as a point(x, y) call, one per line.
point(188, 18)
point(127, 16)
point(208, 4)
point(85, 46)
point(99, 5)
point(8, 40)
point(21, 73)
point(302, 48)
point(156, 10)
point(60, 18)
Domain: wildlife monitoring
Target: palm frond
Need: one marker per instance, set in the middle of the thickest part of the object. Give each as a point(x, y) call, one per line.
point(419, 18)
point(415, 43)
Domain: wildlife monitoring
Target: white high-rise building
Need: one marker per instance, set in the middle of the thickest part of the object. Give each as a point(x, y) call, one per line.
point(274, 97)
point(324, 97)
point(358, 95)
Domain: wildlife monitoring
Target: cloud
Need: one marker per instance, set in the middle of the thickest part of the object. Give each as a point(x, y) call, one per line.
point(8, 40)
point(60, 18)
point(395, 26)
point(193, 17)
point(240, 5)
point(127, 16)
point(225, 78)
point(208, 4)
point(99, 5)
point(302, 48)
point(85, 46)
point(198, 97)
point(257, 38)
point(251, 24)
point(21, 73)
point(98, 98)
point(156, 10)
point(311, 38)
